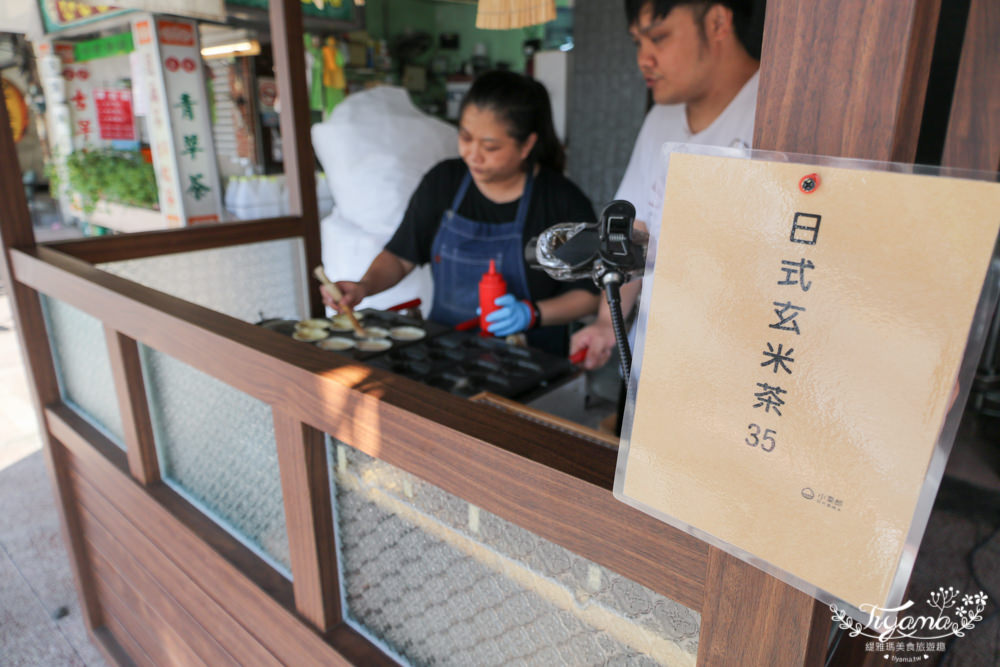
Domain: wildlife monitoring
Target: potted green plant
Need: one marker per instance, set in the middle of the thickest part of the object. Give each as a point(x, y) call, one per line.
point(106, 174)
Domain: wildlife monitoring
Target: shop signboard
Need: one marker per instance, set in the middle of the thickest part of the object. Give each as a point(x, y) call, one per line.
point(203, 9)
point(179, 119)
point(71, 89)
point(79, 85)
point(62, 14)
point(114, 113)
point(806, 326)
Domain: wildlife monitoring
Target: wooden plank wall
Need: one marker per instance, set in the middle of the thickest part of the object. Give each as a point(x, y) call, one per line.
point(550, 482)
point(176, 585)
point(165, 585)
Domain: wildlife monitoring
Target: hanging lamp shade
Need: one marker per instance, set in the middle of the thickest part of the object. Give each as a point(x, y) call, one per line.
point(507, 14)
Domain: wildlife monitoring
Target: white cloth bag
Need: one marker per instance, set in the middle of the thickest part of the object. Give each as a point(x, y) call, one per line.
point(375, 147)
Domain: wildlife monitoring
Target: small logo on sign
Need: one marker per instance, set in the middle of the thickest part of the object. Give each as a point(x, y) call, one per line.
point(808, 493)
point(894, 631)
point(145, 35)
point(172, 64)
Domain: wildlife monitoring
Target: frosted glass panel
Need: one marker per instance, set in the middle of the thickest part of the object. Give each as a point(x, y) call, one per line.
point(216, 446)
point(437, 581)
point(80, 352)
point(243, 281)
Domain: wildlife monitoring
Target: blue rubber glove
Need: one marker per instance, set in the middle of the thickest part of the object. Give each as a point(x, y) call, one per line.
point(512, 317)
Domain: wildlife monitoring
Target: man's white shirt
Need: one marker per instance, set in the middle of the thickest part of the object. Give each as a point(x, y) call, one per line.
point(645, 176)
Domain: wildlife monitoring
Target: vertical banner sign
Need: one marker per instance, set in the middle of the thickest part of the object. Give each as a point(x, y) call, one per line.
point(161, 141)
point(114, 113)
point(805, 326)
point(179, 118)
point(190, 119)
point(79, 85)
point(57, 113)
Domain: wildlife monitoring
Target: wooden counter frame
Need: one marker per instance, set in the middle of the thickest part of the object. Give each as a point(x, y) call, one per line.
point(113, 503)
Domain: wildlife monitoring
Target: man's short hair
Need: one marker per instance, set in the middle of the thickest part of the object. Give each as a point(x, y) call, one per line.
point(743, 13)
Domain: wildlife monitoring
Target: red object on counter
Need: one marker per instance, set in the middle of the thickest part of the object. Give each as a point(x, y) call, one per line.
point(413, 303)
point(578, 356)
point(468, 325)
point(492, 286)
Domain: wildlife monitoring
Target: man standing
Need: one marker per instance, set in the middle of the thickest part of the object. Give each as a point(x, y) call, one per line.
point(703, 81)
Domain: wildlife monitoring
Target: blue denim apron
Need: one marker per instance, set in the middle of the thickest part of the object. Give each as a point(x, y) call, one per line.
point(461, 254)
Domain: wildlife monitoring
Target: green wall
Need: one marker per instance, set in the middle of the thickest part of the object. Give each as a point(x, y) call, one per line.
point(440, 16)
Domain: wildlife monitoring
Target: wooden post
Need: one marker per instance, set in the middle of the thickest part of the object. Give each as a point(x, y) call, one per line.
point(750, 618)
point(973, 139)
point(305, 487)
point(140, 445)
point(844, 79)
point(296, 139)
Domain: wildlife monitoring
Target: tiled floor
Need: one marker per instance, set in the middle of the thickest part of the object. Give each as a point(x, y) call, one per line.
point(40, 618)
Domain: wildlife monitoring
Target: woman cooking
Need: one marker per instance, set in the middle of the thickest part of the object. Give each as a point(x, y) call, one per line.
point(506, 188)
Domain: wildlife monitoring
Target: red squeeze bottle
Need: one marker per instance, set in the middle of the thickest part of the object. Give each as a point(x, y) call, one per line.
point(491, 287)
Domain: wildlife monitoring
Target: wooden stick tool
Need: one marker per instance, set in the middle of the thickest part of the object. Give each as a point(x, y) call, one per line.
point(338, 297)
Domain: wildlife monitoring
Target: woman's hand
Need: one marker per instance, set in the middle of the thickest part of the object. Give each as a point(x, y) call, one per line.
point(385, 271)
point(513, 316)
point(352, 292)
point(599, 340)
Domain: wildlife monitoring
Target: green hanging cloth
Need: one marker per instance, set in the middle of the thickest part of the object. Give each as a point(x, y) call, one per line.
point(316, 86)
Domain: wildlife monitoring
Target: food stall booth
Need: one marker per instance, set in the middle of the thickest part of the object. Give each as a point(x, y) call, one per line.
point(231, 496)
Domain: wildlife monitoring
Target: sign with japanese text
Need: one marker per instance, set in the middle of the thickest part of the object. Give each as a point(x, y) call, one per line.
point(158, 122)
point(804, 330)
point(179, 120)
point(79, 85)
point(190, 119)
point(114, 113)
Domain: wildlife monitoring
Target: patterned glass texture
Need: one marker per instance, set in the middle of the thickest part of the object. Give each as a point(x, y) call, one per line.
point(438, 581)
point(250, 282)
point(216, 446)
point(80, 352)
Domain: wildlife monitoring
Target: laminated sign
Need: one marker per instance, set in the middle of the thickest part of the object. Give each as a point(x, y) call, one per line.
point(808, 324)
point(114, 113)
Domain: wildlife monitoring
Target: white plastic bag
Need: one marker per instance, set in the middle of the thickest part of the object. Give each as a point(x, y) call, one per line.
point(375, 147)
point(347, 252)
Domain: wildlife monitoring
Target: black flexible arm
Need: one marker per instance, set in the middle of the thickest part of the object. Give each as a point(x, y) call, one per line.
point(612, 290)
